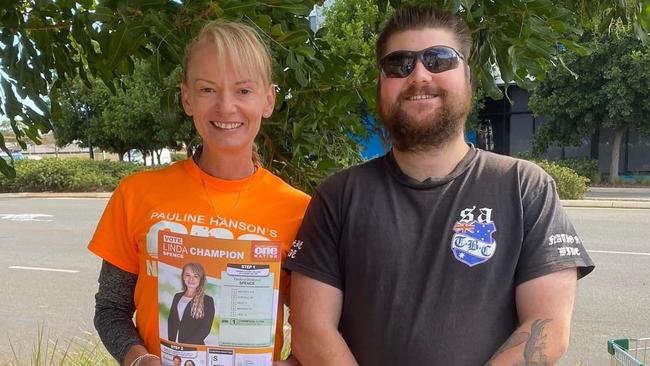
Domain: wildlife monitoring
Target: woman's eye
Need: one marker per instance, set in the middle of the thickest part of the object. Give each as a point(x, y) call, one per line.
point(206, 90)
point(245, 91)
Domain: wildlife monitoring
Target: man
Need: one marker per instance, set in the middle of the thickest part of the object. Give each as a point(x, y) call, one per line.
point(437, 253)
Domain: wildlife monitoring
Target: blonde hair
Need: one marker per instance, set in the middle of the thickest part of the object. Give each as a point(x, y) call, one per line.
point(197, 311)
point(239, 45)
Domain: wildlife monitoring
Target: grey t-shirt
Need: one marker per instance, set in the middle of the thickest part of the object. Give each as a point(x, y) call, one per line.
point(429, 269)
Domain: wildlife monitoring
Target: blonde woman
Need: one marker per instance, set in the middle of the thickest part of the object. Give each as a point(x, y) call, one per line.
point(227, 89)
point(192, 311)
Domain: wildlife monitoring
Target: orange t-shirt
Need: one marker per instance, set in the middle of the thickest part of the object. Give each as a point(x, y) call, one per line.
point(184, 199)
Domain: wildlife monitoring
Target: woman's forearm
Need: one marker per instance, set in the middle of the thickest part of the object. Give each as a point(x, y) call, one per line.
point(114, 308)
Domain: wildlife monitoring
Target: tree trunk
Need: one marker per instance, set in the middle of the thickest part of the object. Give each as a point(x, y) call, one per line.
point(144, 157)
point(91, 150)
point(121, 155)
point(619, 132)
point(189, 149)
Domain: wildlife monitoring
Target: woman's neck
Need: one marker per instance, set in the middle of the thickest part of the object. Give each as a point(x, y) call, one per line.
point(226, 166)
point(189, 292)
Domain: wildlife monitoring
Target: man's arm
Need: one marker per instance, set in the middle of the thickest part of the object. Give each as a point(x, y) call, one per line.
point(314, 317)
point(544, 308)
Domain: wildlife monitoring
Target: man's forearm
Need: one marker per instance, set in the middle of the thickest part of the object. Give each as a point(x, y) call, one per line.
point(321, 348)
point(538, 342)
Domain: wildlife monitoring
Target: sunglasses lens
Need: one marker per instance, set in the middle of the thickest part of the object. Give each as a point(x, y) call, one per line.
point(436, 59)
point(439, 59)
point(398, 64)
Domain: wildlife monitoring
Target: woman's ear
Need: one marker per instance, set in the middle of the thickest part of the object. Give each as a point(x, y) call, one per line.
point(185, 99)
point(270, 101)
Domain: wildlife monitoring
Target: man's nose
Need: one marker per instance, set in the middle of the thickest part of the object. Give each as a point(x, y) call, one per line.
point(420, 73)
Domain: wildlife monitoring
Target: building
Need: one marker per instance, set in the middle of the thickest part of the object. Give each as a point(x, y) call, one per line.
point(513, 127)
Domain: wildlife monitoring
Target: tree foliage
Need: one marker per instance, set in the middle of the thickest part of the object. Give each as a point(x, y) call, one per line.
point(46, 44)
point(608, 88)
point(129, 118)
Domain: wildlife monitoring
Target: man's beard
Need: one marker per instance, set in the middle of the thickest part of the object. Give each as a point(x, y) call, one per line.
point(428, 129)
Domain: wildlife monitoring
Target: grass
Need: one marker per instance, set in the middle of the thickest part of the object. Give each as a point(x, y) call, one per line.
point(87, 351)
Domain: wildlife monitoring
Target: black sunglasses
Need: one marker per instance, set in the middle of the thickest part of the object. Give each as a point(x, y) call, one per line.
point(400, 64)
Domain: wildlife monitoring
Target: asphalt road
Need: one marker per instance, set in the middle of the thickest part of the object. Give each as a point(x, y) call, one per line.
point(59, 303)
point(613, 301)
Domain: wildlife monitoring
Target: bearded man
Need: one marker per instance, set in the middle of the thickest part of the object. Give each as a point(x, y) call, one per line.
point(436, 253)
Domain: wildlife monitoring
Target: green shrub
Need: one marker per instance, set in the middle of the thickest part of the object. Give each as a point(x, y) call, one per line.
point(584, 167)
point(570, 185)
point(70, 175)
point(177, 156)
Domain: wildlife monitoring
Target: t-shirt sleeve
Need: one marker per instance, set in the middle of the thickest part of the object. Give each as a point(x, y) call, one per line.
point(315, 252)
point(550, 243)
point(111, 240)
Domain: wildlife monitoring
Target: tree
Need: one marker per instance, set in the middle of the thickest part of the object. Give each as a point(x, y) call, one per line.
point(351, 29)
point(48, 43)
point(608, 88)
point(131, 118)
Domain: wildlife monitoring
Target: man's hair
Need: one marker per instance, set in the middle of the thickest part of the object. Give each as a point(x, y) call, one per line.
point(416, 17)
point(177, 357)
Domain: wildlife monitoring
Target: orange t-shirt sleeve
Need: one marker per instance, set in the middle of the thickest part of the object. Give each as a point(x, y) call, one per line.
point(111, 240)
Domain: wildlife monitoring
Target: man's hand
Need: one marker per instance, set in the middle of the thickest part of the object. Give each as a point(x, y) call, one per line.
point(315, 314)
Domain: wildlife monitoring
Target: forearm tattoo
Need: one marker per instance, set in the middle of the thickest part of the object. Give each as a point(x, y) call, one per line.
point(534, 347)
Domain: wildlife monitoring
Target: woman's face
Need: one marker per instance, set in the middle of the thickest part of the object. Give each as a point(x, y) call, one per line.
point(191, 279)
point(227, 107)
point(189, 363)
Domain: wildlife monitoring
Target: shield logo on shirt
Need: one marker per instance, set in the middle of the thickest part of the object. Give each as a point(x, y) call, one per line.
point(472, 242)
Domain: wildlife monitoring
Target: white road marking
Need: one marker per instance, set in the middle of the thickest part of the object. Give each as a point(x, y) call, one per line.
point(44, 269)
point(26, 217)
point(615, 252)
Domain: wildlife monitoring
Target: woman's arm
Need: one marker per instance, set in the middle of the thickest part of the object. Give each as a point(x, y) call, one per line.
point(114, 308)
point(173, 318)
point(206, 324)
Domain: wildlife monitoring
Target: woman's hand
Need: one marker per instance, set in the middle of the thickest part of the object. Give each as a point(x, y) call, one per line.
point(151, 361)
point(138, 351)
point(291, 361)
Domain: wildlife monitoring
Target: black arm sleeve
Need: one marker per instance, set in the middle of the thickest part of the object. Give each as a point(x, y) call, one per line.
point(114, 309)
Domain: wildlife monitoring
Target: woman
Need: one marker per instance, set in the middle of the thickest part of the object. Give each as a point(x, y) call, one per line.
point(192, 311)
point(222, 192)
